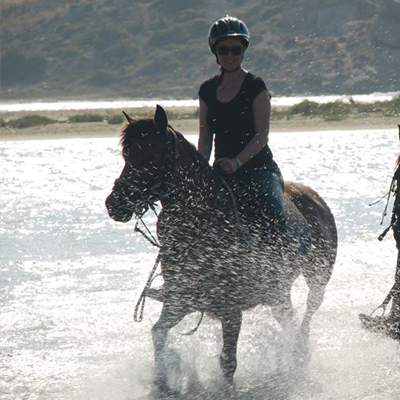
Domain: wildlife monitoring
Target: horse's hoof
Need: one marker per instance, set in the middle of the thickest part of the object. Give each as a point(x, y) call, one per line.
point(168, 394)
point(228, 367)
point(163, 391)
point(302, 352)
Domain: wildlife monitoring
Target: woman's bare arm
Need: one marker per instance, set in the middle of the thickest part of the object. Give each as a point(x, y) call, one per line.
point(205, 136)
point(261, 115)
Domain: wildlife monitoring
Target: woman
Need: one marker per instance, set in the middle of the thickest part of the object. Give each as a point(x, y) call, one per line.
point(235, 110)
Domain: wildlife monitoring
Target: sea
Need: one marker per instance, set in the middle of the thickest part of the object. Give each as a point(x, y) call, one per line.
point(70, 278)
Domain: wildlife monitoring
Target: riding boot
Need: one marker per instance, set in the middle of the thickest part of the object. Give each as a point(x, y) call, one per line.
point(395, 310)
point(392, 322)
point(394, 315)
point(388, 325)
point(382, 324)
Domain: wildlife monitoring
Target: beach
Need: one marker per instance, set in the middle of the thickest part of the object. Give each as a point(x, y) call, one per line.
point(183, 119)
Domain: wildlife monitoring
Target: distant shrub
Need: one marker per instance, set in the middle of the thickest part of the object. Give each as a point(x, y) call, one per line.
point(3, 123)
point(31, 120)
point(334, 111)
point(334, 117)
point(177, 115)
point(115, 119)
point(393, 107)
point(306, 108)
point(86, 118)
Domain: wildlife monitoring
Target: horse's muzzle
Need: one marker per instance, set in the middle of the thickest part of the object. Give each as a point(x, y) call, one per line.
point(116, 211)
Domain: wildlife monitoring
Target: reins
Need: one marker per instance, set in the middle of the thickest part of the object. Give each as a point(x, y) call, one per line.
point(146, 204)
point(149, 236)
point(142, 299)
point(139, 308)
point(235, 210)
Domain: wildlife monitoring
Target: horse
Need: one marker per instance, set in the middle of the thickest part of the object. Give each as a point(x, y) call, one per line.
point(214, 257)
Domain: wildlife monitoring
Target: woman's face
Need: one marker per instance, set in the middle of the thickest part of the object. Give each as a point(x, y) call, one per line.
point(230, 53)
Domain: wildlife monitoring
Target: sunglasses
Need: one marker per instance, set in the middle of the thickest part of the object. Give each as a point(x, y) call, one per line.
point(235, 50)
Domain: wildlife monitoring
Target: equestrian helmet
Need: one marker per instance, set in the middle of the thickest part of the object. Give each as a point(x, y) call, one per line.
point(228, 27)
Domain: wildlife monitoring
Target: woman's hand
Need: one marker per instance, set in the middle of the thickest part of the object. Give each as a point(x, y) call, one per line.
point(228, 165)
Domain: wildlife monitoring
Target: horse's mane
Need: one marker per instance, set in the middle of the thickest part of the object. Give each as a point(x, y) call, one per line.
point(131, 130)
point(191, 148)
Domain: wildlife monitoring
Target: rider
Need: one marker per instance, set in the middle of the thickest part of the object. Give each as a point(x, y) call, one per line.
point(390, 324)
point(235, 111)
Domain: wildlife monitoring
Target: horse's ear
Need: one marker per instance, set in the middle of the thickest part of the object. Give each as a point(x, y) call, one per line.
point(161, 119)
point(129, 120)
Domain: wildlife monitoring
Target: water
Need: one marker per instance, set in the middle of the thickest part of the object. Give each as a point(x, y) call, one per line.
point(70, 278)
point(121, 104)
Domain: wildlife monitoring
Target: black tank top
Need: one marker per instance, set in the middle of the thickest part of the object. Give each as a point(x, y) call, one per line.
point(232, 123)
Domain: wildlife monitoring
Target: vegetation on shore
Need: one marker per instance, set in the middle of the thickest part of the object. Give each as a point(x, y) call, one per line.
point(27, 121)
point(339, 110)
point(333, 111)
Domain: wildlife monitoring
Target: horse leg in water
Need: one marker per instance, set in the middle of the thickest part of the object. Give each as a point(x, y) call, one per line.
point(282, 308)
point(231, 324)
point(315, 298)
point(171, 315)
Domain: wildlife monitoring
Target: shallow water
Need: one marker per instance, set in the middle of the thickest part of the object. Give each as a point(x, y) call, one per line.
point(70, 278)
point(121, 104)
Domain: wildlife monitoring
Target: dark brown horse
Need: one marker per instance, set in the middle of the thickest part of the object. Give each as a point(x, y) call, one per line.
point(216, 257)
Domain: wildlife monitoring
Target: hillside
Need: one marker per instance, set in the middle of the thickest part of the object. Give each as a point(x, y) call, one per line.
point(158, 48)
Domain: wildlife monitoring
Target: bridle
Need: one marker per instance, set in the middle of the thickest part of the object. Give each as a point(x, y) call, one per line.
point(160, 187)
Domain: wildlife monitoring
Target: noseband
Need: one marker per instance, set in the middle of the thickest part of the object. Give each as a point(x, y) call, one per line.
point(159, 188)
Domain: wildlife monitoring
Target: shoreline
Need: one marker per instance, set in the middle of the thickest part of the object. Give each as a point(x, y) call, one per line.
point(182, 119)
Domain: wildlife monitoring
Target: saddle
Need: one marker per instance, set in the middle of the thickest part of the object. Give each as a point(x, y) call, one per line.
point(236, 201)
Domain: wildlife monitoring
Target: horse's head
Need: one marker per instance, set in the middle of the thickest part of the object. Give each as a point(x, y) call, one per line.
point(149, 151)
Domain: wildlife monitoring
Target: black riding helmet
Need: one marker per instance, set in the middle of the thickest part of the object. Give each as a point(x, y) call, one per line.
point(227, 27)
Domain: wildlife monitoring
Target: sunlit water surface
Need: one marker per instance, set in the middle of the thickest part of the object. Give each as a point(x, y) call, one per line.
point(121, 104)
point(70, 279)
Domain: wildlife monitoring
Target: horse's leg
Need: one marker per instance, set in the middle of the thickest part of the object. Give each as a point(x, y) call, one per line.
point(171, 315)
point(283, 310)
point(231, 324)
point(314, 300)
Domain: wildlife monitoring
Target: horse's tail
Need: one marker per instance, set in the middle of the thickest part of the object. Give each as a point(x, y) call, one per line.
point(319, 218)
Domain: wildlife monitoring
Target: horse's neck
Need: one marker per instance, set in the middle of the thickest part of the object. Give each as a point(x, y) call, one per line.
point(193, 184)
